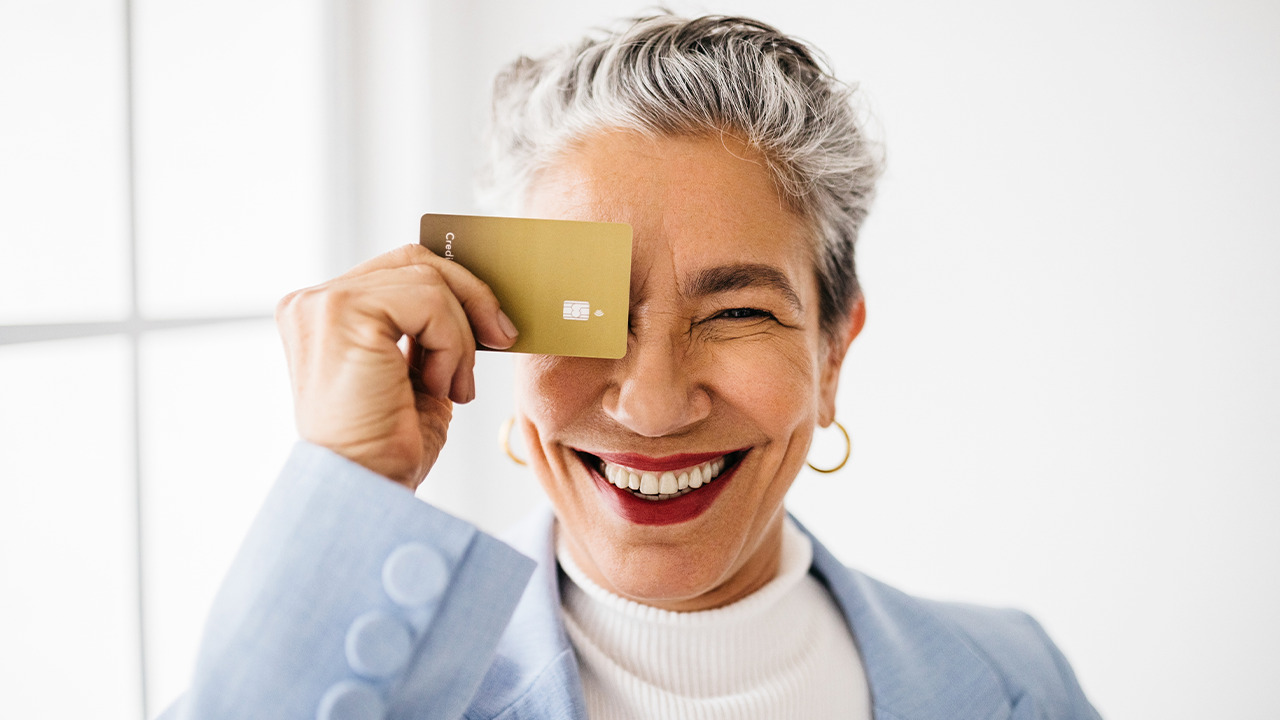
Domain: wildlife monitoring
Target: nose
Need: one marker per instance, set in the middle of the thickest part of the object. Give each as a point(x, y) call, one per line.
point(656, 389)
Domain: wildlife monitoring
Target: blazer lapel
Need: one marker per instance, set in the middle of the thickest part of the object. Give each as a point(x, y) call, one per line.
point(917, 667)
point(534, 672)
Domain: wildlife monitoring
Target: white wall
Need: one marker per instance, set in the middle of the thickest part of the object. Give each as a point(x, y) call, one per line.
point(1066, 398)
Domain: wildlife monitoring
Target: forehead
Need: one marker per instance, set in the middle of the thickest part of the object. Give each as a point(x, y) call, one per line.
point(695, 199)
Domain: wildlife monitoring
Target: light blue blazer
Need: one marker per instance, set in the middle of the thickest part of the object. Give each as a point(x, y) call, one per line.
point(350, 598)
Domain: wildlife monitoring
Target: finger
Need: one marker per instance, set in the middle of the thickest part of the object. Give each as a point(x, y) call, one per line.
point(377, 309)
point(425, 309)
point(415, 356)
point(440, 359)
point(400, 257)
point(378, 306)
point(491, 326)
point(456, 361)
point(462, 387)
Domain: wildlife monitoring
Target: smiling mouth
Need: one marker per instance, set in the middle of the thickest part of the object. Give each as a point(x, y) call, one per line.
point(660, 479)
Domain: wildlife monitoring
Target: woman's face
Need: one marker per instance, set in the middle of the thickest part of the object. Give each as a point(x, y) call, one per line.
point(725, 376)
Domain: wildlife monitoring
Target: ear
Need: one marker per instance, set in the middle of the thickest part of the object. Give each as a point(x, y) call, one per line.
point(836, 351)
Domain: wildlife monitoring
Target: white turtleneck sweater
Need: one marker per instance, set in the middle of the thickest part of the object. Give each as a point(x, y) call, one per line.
point(782, 652)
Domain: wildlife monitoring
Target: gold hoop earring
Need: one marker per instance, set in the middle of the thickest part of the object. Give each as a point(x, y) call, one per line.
point(504, 439)
point(848, 450)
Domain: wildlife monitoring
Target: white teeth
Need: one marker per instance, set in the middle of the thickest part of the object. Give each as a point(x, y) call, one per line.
point(660, 486)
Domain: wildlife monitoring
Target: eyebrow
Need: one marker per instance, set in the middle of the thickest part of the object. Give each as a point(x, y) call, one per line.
point(725, 278)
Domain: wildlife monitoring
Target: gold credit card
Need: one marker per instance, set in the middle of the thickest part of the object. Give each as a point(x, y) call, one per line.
point(565, 284)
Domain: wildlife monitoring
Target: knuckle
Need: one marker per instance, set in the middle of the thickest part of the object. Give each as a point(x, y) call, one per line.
point(404, 253)
point(483, 300)
point(291, 309)
point(476, 297)
point(284, 307)
point(418, 250)
point(427, 274)
point(318, 304)
point(329, 304)
point(412, 254)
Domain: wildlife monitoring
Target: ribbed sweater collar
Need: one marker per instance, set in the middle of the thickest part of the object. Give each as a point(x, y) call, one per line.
point(724, 651)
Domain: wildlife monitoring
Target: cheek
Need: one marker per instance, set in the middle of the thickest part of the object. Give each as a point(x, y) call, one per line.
point(552, 391)
point(773, 379)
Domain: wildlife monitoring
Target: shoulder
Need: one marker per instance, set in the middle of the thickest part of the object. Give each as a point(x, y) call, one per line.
point(1016, 646)
point(924, 657)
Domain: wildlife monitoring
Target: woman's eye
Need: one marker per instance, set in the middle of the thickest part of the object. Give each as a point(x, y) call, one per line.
point(743, 314)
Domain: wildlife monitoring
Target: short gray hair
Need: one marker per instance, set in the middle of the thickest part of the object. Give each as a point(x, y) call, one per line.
point(669, 76)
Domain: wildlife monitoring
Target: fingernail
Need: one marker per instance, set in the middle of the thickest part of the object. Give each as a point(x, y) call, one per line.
point(508, 327)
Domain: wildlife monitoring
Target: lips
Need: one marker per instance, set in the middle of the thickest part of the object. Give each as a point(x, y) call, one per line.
point(661, 490)
point(660, 464)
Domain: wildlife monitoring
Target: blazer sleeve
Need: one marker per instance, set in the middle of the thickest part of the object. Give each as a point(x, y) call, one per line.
point(350, 598)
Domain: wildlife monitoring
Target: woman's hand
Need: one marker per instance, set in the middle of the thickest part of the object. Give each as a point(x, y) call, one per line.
point(360, 390)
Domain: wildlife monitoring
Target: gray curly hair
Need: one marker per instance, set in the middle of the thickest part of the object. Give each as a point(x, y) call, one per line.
point(669, 76)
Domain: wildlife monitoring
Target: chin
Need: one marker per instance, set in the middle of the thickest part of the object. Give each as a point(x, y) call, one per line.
point(680, 532)
point(669, 576)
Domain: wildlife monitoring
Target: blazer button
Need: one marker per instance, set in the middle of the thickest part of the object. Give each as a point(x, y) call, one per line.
point(378, 645)
point(349, 700)
point(414, 575)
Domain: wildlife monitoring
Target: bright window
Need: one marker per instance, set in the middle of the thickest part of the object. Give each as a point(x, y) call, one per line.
point(166, 177)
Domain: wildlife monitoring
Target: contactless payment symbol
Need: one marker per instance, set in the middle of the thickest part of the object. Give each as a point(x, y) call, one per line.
point(577, 310)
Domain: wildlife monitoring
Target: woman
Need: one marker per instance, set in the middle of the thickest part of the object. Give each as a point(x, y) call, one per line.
point(670, 582)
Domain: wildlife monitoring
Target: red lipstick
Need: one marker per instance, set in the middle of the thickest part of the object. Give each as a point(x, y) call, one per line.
point(659, 512)
point(659, 464)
